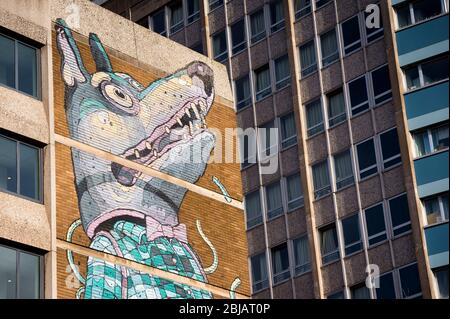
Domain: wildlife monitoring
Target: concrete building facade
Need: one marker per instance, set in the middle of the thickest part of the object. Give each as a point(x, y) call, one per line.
point(362, 183)
point(106, 134)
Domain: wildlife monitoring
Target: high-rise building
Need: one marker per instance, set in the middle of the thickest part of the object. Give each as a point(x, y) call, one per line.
point(358, 90)
point(111, 179)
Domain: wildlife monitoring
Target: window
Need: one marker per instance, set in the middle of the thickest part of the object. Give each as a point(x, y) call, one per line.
point(381, 85)
point(198, 47)
point(336, 295)
point(314, 118)
point(441, 275)
point(220, 47)
point(329, 47)
point(276, 16)
point(159, 22)
point(321, 179)
point(386, 288)
point(19, 66)
point(352, 236)
point(418, 11)
point(376, 227)
point(176, 17)
point(336, 108)
point(399, 210)
point(390, 148)
point(288, 130)
point(215, 4)
point(280, 263)
point(351, 35)
point(302, 8)
point(20, 168)
point(410, 282)
point(367, 160)
point(257, 26)
point(282, 72)
point(268, 137)
point(301, 255)
point(426, 73)
point(243, 94)
point(431, 140)
point(274, 202)
point(321, 3)
point(373, 34)
point(259, 272)
point(238, 38)
point(253, 209)
point(144, 22)
point(360, 291)
point(294, 192)
point(343, 170)
point(329, 244)
point(359, 98)
point(436, 208)
point(248, 149)
point(20, 274)
point(262, 76)
point(193, 10)
point(308, 58)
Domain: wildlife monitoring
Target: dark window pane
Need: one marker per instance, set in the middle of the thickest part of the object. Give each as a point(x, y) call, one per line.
point(8, 164)
point(7, 69)
point(403, 16)
point(366, 155)
point(320, 3)
point(159, 22)
point(253, 209)
point(426, 9)
point(336, 295)
point(386, 289)
point(220, 47)
point(435, 71)
point(399, 213)
point(176, 17)
point(280, 263)
point(28, 276)
point(350, 226)
point(215, 4)
point(302, 8)
point(243, 96)
point(29, 171)
point(375, 223)
point(259, 272)
point(358, 95)
point(276, 16)
point(410, 281)
point(351, 35)
point(193, 10)
point(381, 84)
point(198, 48)
point(390, 147)
point(257, 26)
point(238, 36)
point(27, 71)
point(7, 273)
point(373, 33)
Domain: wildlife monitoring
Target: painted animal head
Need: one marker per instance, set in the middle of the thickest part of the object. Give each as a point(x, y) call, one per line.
point(161, 125)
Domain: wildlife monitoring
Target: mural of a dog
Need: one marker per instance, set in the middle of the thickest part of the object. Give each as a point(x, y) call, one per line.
point(123, 212)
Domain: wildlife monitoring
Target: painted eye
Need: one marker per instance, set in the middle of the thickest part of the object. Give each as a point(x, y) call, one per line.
point(118, 96)
point(103, 117)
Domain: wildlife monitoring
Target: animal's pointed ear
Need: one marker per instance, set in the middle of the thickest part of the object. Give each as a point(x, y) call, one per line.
point(99, 54)
point(72, 67)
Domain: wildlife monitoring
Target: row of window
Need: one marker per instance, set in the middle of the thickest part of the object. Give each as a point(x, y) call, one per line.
point(426, 73)
point(277, 69)
point(373, 155)
point(269, 17)
point(280, 196)
point(418, 11)
point(19, 66)
point(20, 168)
point(173, 17)
point(304, 7)
point(21, 274)
point(354, 34)
point(431, 140)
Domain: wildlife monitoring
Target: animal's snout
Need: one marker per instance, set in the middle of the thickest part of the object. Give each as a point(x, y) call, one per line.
point(204, 73)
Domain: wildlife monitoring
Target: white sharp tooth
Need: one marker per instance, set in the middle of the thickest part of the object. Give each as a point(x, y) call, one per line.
point(194, 107)
point(191, 129)
point(136, 153)
point(167, 129)
point(202, 117)
point(179, 122)
point(148, 145)
point(187, 112)
point(155, 153)
point(202, 105)
point(197, 126)
point(185, 136)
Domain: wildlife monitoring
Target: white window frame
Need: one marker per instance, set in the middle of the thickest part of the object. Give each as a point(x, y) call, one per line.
point(420, 72)
point(437, 197)
point(410, 5)
point(428, 131)
point(386, 226)
point(392, 227)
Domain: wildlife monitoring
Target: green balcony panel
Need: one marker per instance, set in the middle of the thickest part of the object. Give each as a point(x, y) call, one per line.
point(423, 40)
point(432, 174)
point(437, 244)
point(427, 106)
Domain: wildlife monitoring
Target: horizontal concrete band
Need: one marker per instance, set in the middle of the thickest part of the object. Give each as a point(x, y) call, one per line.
point(147, 269)
point(149, 171)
